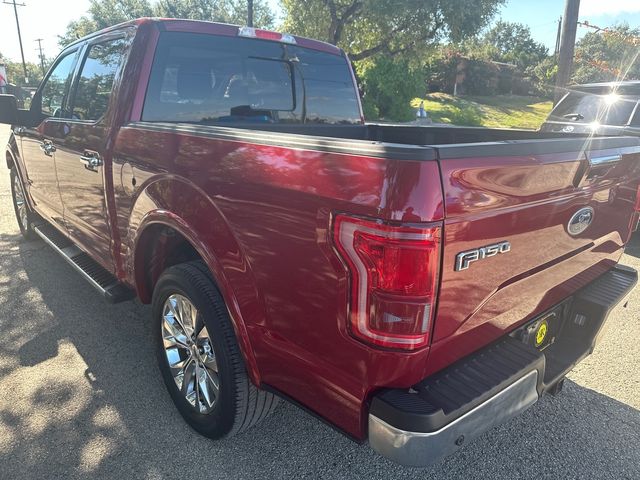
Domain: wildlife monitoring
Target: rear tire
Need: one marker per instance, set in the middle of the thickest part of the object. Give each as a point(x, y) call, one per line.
point(24, 215)
point(201, 364)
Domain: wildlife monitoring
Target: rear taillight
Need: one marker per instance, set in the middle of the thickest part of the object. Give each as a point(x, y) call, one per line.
point(637, 207)
point(394, 279)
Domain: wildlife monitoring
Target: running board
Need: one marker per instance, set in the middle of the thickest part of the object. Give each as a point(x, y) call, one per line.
point(100, 278)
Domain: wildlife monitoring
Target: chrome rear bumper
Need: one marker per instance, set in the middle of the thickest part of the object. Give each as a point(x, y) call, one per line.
point(423, 449)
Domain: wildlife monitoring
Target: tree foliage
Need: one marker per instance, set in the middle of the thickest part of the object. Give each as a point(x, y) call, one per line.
point(227, 11)
point(105, 13)
point(607, 56)
point(390, 85)
point(15, 72)
point(512, 43)
point(364, 28)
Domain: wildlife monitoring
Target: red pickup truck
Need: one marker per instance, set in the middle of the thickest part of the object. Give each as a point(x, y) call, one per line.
point(410, 285)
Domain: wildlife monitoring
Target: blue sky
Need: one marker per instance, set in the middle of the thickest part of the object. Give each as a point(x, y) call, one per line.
point(542, 15)
point(46, 19)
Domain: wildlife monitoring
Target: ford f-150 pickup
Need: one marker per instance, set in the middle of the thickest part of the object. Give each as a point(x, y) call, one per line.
point(412, 286)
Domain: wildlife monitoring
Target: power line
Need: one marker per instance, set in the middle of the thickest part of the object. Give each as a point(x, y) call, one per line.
point(15, 11)
point(627, 38)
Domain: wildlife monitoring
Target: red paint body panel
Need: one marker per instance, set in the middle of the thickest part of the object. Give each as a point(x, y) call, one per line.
point(274, 252)
point(260, 215)
point(527, 201)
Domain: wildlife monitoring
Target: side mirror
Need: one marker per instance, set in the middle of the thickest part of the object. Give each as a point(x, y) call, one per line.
point(8, 109)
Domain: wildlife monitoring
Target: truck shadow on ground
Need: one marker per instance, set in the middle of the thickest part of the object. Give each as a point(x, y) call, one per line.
point(116, 418)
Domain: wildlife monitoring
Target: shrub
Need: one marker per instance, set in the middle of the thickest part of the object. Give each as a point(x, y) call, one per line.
point(389, 85)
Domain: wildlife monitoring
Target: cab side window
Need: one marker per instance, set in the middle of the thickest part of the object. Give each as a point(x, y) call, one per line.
point(96, 79)
point(56, 87)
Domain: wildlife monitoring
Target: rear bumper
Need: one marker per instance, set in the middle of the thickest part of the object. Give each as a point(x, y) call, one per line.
point(444, 412)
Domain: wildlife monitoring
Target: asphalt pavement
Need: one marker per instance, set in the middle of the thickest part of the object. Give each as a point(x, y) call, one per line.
point(81, 397)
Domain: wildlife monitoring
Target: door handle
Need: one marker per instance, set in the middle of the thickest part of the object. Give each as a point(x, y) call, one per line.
point(48, 148)
point(91, 161)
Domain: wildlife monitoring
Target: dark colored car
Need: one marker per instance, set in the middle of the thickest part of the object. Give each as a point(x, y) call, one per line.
point(410, 285)
point(598, 108)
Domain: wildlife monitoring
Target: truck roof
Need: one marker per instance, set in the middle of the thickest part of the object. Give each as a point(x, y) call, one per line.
point(212, 28)
point(628, 86)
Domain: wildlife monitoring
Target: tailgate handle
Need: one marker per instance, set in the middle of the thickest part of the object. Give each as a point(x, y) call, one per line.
point(600, 166)
point(604, 160)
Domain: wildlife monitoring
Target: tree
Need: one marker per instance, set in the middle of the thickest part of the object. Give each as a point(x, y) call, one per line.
point(15, 73)
point(105, 13)
point(512, 43)
point(226, 11)
point(364, 28)
point(608, 55)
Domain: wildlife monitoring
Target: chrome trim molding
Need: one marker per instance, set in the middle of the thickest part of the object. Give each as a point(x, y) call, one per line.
point(423, 449)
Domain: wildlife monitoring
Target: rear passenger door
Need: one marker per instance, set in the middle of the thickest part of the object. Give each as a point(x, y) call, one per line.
point(83, 153)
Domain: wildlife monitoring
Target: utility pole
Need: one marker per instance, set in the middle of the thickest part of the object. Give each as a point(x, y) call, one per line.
point(557, 49)
point(39, 40)
point(567, 46)
point(15, 11)
point(249, 13)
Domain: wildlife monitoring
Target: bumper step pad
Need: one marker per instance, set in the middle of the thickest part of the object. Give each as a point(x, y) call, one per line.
point(450, 393)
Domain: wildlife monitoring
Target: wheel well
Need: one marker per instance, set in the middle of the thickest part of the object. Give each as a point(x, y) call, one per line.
point(159, 248)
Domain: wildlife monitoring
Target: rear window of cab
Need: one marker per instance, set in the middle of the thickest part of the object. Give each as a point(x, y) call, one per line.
point(209, 79)
point(604, 108)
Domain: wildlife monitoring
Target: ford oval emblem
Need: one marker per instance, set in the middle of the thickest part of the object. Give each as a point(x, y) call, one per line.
point(580, 221)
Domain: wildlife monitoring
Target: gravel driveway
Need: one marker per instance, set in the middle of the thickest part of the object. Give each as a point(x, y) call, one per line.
point(80, 396)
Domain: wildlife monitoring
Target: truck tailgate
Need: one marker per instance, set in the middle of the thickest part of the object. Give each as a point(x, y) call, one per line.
point(526, 193)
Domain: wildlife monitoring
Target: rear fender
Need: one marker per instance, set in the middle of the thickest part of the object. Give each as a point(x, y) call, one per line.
point(176, 203)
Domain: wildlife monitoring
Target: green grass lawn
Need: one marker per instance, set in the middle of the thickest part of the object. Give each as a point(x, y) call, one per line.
point(506, 111)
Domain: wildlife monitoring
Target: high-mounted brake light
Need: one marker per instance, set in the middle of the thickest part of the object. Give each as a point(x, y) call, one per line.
point(251, 32)
point(394, 279)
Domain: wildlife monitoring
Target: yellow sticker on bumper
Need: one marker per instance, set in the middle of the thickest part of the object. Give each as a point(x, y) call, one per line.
point(541, 334)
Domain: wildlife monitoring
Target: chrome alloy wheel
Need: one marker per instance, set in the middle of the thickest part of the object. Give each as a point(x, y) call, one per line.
point(190, 353)
point(21, 203)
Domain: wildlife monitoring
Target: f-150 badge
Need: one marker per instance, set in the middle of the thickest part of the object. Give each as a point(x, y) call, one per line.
point(465, 259)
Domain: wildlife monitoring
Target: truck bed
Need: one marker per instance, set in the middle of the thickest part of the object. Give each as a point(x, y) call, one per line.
point(402, 141)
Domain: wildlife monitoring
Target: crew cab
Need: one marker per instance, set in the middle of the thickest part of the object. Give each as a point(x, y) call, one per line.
point(410, 285)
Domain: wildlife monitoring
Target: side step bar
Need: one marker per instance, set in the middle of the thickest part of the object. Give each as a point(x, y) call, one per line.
point(102, 280)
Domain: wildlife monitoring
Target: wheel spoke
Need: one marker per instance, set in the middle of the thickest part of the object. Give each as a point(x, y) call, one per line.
point(173, 330)
point(189, 352)
point(206, 395)
point(214, 381)
point(188, 383)
point(175, 312)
